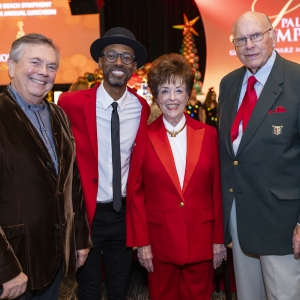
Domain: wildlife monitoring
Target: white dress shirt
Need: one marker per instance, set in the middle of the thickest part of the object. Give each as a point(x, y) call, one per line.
point(129, 110)
point(178, 145)
point(261, 77)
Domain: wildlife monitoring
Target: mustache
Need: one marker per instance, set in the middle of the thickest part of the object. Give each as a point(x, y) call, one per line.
point(118, 69)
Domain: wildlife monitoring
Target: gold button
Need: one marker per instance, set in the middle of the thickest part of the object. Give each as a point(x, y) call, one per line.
point(181, 204)
point(235, 162)
point(231, 190)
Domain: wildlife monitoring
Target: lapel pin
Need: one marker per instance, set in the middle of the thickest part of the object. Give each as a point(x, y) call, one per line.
point(277, 129)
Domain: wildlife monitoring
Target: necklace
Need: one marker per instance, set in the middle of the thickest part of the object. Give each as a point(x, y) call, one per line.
point(174, 133)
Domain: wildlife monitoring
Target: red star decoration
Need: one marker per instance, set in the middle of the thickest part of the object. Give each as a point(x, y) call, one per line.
point(187, 26)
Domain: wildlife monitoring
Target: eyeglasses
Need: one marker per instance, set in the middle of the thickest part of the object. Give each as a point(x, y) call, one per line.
point(255, 37)
point(111, 56)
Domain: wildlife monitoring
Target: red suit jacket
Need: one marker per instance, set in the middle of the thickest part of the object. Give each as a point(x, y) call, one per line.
point(80, 107)
point(178, 235)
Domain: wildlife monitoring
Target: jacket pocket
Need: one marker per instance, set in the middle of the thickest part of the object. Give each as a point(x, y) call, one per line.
point(286, 193)
point(276, 128)
point(154, 217)
point(207, 215)
point(15, 235)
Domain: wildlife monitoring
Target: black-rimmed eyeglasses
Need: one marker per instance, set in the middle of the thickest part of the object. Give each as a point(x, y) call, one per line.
point(255, 37)
point(111, 56)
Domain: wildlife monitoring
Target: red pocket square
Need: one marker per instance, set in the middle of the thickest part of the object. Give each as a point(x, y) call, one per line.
point(279, 109)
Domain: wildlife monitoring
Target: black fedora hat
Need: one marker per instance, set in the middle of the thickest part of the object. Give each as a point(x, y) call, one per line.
point(123, 36)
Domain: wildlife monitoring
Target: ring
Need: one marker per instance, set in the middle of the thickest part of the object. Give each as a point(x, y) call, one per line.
point(142, 263)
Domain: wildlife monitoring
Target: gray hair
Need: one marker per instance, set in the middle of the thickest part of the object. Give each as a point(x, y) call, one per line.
point(31, 39)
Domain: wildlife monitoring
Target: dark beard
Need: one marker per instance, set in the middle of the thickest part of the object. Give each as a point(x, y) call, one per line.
point(117, 82)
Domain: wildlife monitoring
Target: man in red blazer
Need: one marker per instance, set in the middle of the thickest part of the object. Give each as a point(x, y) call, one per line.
point(91, 112)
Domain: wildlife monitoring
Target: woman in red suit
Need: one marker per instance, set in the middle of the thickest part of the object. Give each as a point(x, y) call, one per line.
point(175, 214)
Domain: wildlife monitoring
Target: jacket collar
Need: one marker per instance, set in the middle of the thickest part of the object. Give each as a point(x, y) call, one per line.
point(159, 140)
point(268, 96)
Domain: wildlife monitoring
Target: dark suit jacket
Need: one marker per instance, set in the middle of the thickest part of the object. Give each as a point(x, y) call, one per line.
point(178, 235)
point(80, 107)
point(42, 216)
point(264, 176)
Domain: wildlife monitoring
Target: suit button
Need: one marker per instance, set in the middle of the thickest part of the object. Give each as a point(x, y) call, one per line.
point(231, 190)
point(48, 165)
point(181, 204)
point(56, 226)
point(95, 180)
point(235, 162)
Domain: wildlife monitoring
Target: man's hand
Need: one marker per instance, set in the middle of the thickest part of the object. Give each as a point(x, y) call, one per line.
point(15, 287)
point(296, 242)
point(145, 256)
point(220, 253)
point(81, 257)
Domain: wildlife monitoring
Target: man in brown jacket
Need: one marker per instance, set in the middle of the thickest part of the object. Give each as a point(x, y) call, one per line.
point(43, 226)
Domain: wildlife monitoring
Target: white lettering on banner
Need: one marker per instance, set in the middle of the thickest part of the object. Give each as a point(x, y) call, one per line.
point(17, 9)
point(232, 53)
point(291, 35)
point(289, 22)
point(14, 13)
point(281, 37)
point(285, 50)
point(3, 57)
point(36, 4)
point(296, 34)
point(14, 5)
point(289, 31)
point(41, 12)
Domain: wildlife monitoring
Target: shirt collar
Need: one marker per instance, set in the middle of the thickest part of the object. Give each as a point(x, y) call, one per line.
point(264, 72)
point(170, 127)
point(106, 100)
point(22, 103)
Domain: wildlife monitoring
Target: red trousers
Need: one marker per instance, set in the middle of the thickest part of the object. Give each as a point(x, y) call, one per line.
point(187, 282)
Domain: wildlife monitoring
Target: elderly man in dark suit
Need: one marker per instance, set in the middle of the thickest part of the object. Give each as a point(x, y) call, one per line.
point(44, 231)
point(259, 133)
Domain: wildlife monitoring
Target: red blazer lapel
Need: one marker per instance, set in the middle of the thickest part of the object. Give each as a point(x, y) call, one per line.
point(195, 136)
point(138, 148)
point(90, 117)
point(160, 142)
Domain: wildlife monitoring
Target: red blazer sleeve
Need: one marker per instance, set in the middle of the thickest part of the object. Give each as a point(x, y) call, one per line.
point(218, 232)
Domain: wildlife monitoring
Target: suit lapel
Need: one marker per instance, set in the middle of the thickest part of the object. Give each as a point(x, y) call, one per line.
point(57, 135)
point(90, 115)
point(194, 145)
point(33, 131)
point(161, 145)
point(138, 148)
point(268, 96)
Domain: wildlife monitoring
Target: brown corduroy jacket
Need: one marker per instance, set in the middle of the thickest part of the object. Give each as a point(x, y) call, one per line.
point(42, 214)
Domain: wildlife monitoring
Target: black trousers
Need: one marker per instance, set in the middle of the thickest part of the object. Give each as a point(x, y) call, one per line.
point(108, 236)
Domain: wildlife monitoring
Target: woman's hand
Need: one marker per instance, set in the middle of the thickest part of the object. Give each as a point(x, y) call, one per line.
point(145, 256)
point(220, 253)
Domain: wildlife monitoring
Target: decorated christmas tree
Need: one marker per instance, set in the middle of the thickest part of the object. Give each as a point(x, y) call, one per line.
point(188, 48)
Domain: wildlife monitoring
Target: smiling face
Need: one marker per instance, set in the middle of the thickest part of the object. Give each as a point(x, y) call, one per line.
point(34, 74)
point(116, 74)
point(254, 55)
point(172, 98)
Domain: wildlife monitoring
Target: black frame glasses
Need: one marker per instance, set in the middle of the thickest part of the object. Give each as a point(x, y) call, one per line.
point(111, 56)
point(255, 37)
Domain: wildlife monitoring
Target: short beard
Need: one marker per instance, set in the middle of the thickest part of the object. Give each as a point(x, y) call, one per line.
point(118, 83)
